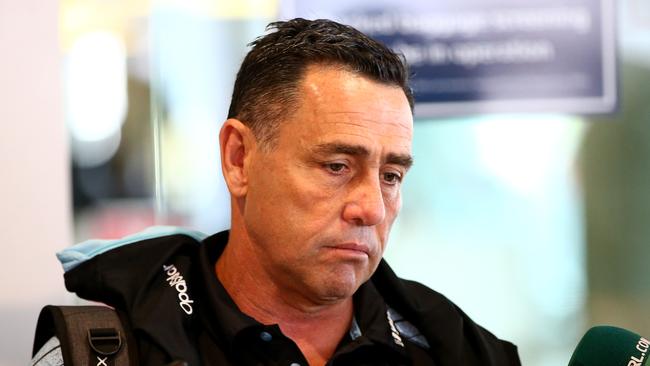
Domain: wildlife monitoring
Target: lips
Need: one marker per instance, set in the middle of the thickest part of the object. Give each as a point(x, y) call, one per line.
point(352, 248)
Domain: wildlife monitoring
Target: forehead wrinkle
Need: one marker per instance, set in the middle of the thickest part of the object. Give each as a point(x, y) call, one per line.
point(360, 122)
point(406, 131)
point(365, 118)
point(365, 137)
point(347, 133)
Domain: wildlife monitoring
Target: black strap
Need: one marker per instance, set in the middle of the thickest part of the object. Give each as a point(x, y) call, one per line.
point(89, 335)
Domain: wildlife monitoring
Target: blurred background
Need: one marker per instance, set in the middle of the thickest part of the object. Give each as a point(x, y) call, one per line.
point(532, 215)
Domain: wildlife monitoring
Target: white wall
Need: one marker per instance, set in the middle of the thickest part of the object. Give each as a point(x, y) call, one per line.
point(34, 180)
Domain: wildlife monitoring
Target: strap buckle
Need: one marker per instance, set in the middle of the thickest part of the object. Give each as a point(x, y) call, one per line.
point(105, 341)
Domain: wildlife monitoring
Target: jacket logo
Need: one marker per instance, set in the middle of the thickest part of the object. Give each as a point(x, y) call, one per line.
point(177, 281)
point(393, 330)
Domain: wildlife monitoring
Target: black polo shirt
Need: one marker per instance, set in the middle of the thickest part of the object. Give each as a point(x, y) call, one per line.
point(235, 338)
point(166, 289)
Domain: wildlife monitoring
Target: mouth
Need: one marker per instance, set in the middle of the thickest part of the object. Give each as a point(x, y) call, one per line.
point(351, 249)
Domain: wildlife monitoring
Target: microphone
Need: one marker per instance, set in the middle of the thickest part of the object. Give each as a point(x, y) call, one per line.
point(611, 346)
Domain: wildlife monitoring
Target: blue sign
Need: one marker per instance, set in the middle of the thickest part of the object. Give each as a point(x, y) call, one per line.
point(486, 56)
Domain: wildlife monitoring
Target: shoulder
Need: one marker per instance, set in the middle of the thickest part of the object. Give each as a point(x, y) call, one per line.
point(149, 276)
point(106, 270)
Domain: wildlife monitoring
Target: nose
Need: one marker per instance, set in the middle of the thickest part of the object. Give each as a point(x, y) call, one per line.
point(365, 205)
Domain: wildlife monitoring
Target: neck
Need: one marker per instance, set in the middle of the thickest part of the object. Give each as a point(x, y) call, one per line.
point(258, 295)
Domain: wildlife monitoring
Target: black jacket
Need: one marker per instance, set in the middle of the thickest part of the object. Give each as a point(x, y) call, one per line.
point(163, 286)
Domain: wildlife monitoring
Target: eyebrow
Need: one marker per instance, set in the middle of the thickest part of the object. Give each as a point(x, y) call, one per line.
point(404, 160)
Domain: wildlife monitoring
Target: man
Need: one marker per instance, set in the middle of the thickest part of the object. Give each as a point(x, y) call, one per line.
point(314, 150)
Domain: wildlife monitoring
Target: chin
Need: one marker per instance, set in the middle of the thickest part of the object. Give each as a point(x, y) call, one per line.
point(341, 286)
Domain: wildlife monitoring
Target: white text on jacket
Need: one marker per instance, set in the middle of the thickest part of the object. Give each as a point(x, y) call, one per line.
point(176, 280)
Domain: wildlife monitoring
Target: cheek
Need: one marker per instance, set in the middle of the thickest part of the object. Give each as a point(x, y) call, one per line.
point(393, 204)
point(311, 193)
point(294, 204)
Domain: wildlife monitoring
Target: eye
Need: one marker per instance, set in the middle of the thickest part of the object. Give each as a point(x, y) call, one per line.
point(335, 167)
point(392, 178)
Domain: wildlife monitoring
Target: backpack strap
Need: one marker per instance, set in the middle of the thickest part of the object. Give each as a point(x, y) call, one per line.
point(89, 335)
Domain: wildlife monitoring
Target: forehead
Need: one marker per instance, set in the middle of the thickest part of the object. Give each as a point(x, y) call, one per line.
point(338, 105)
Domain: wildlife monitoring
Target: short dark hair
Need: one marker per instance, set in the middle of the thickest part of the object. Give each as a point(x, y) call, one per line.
point(266, 87)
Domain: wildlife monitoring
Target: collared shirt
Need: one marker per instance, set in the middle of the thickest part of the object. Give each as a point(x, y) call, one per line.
point(373, 338)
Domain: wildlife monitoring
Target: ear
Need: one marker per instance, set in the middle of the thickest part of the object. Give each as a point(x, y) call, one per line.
point(236, 142)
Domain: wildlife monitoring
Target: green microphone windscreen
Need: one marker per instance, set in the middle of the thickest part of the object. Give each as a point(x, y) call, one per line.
point(611, 346)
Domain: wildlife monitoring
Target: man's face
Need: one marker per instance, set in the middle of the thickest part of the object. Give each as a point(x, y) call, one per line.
point(320, 205)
